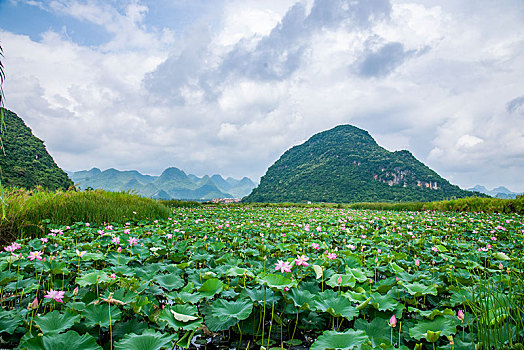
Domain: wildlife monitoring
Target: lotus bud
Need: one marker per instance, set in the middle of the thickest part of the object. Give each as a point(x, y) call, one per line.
point(34, 304)
point(339, 280)
point(460, 315)
point(75, 291)
point(392, 321)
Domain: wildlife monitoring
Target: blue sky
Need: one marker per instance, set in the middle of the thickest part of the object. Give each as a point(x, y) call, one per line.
point(227, 86)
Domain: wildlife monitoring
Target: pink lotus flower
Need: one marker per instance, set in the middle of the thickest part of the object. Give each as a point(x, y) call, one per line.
point(113, 276)
point(283, 266)
point(119, 250)
point(435, 249)
point(501, 266)
point(80, 253)
point(392, 321)
point(127, 231)
point(301, 260)
point(35, 255)
point(315, 246)
point(88, 224)
point(44, 240)
point(460, 315)
point(56, 295)
point(132, 241)
point(116, 240)
point(332, 256)
point(319, 228)
point(417, 262)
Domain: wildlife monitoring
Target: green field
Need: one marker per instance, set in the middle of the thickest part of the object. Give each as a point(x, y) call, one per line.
point(274, 277)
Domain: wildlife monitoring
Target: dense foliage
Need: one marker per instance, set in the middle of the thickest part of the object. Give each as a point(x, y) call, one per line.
point(295, 278)
point(346, 165)
point(26, 162)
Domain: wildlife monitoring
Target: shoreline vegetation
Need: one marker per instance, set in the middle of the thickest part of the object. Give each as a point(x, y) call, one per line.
point(28, 211)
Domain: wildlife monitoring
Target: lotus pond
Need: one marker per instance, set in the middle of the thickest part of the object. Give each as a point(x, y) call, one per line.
point(273, 278)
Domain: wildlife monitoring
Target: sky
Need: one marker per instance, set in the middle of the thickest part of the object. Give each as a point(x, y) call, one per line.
point(227, 86)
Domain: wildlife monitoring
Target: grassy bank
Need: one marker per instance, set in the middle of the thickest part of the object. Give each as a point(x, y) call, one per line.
point(472, 204)
point(28, 211)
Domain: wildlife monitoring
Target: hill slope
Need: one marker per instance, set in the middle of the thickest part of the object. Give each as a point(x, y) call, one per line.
point(26, 162)
point(345, 165)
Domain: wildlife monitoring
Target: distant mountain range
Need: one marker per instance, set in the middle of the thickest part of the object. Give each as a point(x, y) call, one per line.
point(173, 183)
point(345, 165)
point(497, 192)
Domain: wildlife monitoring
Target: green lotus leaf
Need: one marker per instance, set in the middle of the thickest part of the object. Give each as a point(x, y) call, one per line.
point(134, 325)
point(301, 298)
point(418, 289)
point(501, 256)
point(345, 281)
point(278, 282)
point(383, 302)
point(211, 287)
point(92, 278)
point(363, 305)
point(216, 324)
point(185, 297)
point(169, 282)
point(55, 267)
point(98, 314)
point(431, 314)
point(68, 340)
point(55, 321)
point(238, 271)
point(335, 305)
point(347, 340)
point(358, 274)
point(226, 310)
point(395, 268)
point(442, 248)
point(149, 340)
point(182, 316)
point(377, 330)
point(442, 324)
point(432, 337)
point(9, 321)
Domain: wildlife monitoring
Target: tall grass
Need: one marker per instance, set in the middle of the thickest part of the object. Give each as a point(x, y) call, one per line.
point(471, 204)
point(28, 211)
point(476, 204)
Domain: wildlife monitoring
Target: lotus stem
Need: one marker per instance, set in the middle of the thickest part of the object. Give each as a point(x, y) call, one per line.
point(272, 314)
point(294, 330)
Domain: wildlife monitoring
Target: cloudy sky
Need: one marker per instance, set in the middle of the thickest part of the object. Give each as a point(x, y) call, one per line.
point(226, 86)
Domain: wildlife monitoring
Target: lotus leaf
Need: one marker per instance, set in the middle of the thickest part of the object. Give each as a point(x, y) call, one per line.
point(347, 340)
point(55, 321)
point(149, 340)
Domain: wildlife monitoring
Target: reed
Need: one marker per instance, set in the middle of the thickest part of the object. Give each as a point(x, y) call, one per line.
point(28, 211)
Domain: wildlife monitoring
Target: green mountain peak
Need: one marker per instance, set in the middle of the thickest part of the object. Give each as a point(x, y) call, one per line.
point(345, 164)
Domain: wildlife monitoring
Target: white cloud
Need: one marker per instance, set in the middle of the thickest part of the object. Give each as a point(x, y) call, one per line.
point(440, 78)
